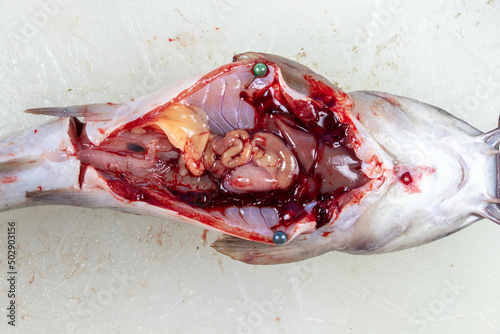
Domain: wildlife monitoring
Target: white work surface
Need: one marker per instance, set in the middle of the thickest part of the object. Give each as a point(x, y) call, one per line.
point(99, 271)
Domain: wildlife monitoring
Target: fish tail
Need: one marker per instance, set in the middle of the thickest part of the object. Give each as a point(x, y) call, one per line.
point(36, 160)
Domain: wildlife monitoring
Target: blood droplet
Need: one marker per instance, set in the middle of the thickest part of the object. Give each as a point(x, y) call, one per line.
point(406, 178)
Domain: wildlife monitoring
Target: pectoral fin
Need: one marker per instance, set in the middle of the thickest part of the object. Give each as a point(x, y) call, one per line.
point(16, 165)
point(258, 253)
point(88, 199)
point(91, 112)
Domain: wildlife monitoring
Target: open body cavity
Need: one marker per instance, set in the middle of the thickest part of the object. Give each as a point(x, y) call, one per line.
point(246, 154)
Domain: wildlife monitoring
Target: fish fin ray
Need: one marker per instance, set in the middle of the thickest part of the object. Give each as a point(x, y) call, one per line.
point(73, 197)
point(92, 112)
point(293, 72)
point(259, 253)
point(492, 138)
point(491, 212)
point(15, 165)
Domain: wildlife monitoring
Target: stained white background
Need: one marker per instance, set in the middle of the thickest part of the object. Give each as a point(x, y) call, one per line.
point(98, 271)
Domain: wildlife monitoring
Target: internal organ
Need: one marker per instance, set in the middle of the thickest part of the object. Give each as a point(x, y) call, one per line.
point(236, 147)
point(260, 163)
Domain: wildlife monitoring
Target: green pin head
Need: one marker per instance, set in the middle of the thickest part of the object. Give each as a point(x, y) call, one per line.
point(280, 238)
point(260, 70)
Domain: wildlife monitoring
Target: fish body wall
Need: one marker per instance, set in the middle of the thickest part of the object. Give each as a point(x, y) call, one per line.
point(425, 174)
point(453, 181)
point(443, 173)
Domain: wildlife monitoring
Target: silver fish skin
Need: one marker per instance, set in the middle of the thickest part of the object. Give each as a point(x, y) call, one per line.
point(405, 173)
point(457, 188)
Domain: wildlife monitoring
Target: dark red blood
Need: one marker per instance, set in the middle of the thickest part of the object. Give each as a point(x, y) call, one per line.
point(322, 116)
point(406, 178)
point(411, 176)
point(35, 131)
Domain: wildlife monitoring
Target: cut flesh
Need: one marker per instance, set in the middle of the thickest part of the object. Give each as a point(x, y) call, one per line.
point(249, 151)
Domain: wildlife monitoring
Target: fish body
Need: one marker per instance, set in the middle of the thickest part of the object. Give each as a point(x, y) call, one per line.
point(259, 148)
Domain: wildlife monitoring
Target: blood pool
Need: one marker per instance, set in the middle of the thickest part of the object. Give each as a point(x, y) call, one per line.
point(294, 159)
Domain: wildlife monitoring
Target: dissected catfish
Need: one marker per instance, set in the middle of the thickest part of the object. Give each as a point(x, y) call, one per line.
point(268, 152)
